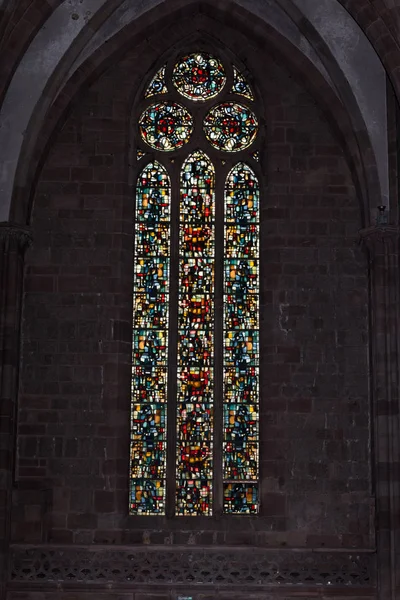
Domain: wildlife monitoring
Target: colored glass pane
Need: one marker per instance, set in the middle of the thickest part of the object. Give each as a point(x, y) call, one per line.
point(240, 498)
point(241, 342)
point(241, 447)
point(230, 126)
point(150, 341)
point(199, 76)
point(195, 337)
point(157, 85)
point(166, 126)
point(140, 154)
point(194, 497)
point(240, 85)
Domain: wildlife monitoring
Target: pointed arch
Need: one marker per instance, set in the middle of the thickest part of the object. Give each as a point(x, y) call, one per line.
point(241, 341)
point(150, 341)
point(194, 469)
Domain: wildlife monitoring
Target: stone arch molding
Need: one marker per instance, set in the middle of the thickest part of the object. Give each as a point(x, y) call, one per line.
point(323, 31)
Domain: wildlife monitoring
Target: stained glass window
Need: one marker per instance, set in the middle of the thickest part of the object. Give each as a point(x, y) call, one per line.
point(230, 126)
point(150, 341)
point(195, 337)
point(166, 126)
point(240, 85)
point(199, 76)
point(241, 341)
point(196, 295)
point(157, 85)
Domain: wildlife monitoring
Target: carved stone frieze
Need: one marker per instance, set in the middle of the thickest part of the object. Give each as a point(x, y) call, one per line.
point(173, 566)
point(16, 233)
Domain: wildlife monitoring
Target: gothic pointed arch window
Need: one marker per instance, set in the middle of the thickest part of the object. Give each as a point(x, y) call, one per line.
point(195, 348)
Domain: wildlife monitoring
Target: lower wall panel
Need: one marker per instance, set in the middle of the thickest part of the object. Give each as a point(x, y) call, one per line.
point(177, 573)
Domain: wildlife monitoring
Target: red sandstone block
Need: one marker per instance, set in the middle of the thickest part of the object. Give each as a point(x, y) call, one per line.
point(111, 148)
point(300, 405)
point(82, 521)
point(56, 174)
point(28, 446)
point(277, 135)
point(104, 536)
point(274, 450)
point(59, 187)
point(318, 469)
point(337, 189)
point(291, 354)
point(112, 137)
point(5, 458)
point(81, 174)
point(323, 162)
point(273, 405)
point(318, 228)
point(61, 536)
point(32, 472)
point(323, 541)
point(99, 160)
point(104, 501)
point(329, 150)
point(90, 189)
point(74, 284)
point(277, 213)
point(31, 429)
point(105, 124)
point(274, 504)
point(39, 284)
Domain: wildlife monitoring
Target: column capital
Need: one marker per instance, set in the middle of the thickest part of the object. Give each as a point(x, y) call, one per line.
point(18, 234)
point(381, 239)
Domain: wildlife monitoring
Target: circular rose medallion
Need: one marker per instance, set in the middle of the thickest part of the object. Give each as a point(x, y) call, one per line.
point(166, 126)
point(230, 126)
point(199, 76)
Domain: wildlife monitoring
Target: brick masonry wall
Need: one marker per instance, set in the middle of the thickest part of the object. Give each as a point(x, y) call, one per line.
point(73, 437)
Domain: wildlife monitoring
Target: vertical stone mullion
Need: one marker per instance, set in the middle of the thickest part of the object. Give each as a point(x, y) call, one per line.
point(383, 247)
point(13, 242)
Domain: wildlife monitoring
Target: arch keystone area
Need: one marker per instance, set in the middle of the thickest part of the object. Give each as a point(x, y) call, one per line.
point(325, 33)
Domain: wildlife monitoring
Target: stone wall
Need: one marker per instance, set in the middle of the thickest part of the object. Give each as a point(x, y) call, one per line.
point(73, 434)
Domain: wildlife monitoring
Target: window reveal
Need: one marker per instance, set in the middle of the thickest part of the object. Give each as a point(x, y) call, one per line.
point(166, 127)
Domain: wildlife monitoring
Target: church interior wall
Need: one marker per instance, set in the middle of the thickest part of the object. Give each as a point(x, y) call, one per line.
point(74, 395)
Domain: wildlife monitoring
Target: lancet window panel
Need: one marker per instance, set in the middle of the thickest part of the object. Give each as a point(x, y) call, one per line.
point(195, 396)
point(195, 438)
point(150, 341)
point(241, 341)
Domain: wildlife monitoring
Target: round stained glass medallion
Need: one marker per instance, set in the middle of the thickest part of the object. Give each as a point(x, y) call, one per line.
point(166, 126)
point(199, 76)
point(230, 126)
